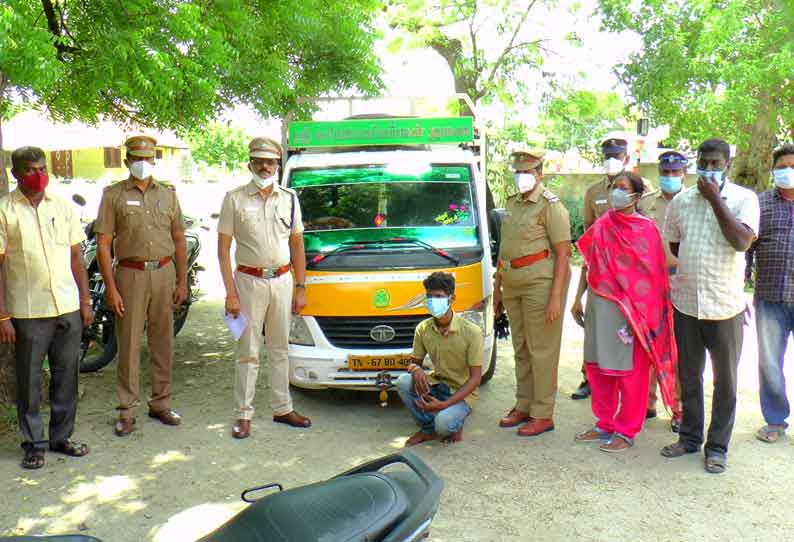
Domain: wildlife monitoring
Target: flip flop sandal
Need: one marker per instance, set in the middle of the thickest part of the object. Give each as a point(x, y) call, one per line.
point(770, 433)
point(34, 459)
point(618, 443)
point(716, 464)
point(70, 448)
point(676, 449)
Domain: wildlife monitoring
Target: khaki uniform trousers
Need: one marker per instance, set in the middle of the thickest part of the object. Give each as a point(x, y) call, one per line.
point(536, 346)
point(148, 299)
point(268, 302)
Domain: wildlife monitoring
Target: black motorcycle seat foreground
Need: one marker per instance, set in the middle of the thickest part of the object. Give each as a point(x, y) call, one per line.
point(365, 504)
point(360, 505)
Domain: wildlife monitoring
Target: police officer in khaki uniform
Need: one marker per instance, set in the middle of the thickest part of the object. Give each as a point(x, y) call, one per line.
point(672, 170)
point(596, 203)
point(141, 219)
point(531, 283)
point(264, 219)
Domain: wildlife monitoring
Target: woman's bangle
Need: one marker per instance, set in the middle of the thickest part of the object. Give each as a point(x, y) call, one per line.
point(5, 318)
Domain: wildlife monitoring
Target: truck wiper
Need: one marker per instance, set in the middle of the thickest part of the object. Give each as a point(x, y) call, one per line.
point(352, 246)
point(427, 246)
point(345, 246)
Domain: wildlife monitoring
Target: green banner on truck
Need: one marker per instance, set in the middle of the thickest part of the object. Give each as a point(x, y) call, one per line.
point(395, 131)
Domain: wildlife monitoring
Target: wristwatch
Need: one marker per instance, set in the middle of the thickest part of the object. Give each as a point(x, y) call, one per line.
point(300, 285)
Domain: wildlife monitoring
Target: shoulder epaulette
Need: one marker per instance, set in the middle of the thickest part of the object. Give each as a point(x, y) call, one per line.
point(550, 196)
point(112, 185)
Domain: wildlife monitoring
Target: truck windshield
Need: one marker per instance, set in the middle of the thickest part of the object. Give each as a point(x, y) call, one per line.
point(362, 204)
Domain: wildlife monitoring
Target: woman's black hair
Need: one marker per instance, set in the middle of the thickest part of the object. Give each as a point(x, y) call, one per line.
point(637, 185)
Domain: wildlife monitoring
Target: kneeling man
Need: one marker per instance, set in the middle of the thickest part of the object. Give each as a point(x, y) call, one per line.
point(441, 400)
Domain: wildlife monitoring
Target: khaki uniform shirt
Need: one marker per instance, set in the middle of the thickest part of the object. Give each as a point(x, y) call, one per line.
point(657, 212)
point(261, 227)
point(531, 224)
point(596, 200)
point(37, 245)
point(452, 354)
point(140, 222)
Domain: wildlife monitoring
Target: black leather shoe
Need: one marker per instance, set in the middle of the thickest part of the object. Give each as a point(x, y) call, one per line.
point(582, 392)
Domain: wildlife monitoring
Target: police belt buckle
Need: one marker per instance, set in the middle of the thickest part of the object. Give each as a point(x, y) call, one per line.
point(151, 265)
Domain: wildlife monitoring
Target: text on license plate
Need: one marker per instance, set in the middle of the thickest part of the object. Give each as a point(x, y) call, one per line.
point(397, 362)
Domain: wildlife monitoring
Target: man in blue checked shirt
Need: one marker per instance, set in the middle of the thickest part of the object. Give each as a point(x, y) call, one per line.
point(773, 253)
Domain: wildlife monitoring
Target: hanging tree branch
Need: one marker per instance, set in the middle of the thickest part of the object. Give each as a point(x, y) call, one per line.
point(58, 29)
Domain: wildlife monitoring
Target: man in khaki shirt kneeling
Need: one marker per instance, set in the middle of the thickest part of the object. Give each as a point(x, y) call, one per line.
point(441, 400)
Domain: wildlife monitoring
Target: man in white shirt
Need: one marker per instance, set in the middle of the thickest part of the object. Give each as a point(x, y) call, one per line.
point(709, 227)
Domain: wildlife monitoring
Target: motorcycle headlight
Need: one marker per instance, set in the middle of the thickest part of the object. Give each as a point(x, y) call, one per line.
point(299, 332)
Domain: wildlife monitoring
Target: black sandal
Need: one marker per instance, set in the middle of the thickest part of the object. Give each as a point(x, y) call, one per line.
point(33, 459)
point(70, 447)
point(716, 463)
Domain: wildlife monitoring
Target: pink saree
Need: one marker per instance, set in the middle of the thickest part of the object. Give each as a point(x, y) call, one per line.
point(626, 264)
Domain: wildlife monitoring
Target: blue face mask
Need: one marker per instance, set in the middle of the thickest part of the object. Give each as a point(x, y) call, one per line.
point(620, 199)
point(713, 176)
point(669, 184)
point(437, 306)
point(784, 178)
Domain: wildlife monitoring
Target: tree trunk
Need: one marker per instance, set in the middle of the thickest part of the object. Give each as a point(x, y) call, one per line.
point(754, 153)
point(7, 373)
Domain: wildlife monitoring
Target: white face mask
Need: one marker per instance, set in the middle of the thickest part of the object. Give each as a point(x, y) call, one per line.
point(141, 169)
point(613, 166)
point(525, 182)
point(262, 183)
point(784, 178)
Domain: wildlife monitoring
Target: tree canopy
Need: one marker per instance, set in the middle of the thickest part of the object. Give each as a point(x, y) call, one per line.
point(456, 30)
point(219, 144)
point(578, 120)
point(714, 68)
point(175, 64)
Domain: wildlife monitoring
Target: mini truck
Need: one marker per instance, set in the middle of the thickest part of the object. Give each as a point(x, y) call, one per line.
point(386, 201)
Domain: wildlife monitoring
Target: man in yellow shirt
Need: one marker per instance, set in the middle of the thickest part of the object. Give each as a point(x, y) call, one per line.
point(441, 400)
point(44, 303)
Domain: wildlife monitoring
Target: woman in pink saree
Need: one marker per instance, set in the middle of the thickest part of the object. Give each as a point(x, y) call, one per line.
point(629, 318)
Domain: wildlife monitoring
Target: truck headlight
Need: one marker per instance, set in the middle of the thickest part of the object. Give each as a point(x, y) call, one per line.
point(478, 314)
point(299, 332)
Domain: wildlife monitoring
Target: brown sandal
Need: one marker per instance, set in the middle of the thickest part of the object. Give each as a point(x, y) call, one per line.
point(71, 448)
point(677, 449)
point(33, 459)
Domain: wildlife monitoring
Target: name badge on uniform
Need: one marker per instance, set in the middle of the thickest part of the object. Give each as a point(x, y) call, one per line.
point(133, 202)
point(600, 202)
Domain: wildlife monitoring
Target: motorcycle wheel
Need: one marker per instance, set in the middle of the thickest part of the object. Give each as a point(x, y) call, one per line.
point(99, 351)
point(487, 375)
point(98, 354)
point(180, 317)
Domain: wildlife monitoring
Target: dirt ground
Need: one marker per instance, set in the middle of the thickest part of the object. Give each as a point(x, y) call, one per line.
point(175, 484)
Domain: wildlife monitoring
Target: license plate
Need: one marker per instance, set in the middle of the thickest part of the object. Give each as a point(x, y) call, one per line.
point(396, 362)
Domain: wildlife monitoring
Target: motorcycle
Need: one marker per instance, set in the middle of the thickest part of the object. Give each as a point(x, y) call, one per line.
point(367, 503)
point(98, 346)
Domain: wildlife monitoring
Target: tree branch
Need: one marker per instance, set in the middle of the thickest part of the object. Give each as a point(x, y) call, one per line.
point(473, 36)
point(499, 61)
point(56, 30)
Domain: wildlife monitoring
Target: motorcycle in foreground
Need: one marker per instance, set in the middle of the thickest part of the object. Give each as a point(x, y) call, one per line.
point(98, 346)
point(366, 504)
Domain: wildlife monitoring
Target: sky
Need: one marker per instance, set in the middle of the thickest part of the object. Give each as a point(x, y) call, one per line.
point(412, 72)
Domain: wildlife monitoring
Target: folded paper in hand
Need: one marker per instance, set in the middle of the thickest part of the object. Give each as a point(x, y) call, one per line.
point(236, 325)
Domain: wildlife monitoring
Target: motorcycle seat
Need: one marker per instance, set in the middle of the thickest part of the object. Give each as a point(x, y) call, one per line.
point(358, 507)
